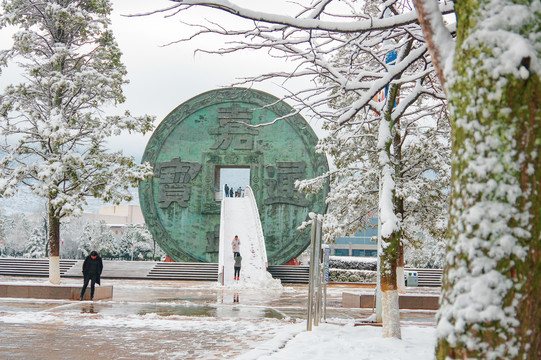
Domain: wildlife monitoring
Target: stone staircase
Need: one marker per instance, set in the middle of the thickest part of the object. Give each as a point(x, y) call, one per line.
point(184, 271)
point(427, 277)
point(290, 274)
point(172, 271)
point(142, 270)
point(31, 267)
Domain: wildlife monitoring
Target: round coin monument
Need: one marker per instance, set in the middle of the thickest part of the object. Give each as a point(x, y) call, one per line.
point(218, 130)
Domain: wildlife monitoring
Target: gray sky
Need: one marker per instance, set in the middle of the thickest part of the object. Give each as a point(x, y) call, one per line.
point(162, 77)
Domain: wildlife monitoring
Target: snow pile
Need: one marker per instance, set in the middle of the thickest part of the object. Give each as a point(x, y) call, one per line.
point(263, 281)
point(329, 341)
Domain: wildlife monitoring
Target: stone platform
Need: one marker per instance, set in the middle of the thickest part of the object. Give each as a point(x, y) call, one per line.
point(59, 292)
point(405, 301)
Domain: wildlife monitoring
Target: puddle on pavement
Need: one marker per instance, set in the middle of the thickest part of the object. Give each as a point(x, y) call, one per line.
point(221, 311)
point(23, 307)
point(29, 306)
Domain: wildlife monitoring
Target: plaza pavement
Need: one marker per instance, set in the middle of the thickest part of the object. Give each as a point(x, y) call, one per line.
point(149, 319)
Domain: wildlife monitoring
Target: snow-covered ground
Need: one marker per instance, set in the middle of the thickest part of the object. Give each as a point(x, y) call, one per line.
point(198, 320)
point(345, 342)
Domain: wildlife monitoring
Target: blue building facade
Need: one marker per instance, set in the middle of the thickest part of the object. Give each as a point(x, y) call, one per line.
point(363, 243)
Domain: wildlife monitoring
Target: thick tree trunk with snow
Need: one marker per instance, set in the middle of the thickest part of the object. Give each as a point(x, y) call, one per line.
point(491, 306)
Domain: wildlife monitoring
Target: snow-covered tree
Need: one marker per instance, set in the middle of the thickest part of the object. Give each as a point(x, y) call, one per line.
point(427, 251)
point(36, 245)
point(97, 236)
point(17, 230)
point(71, 233)
point(492, 283)
point(137, 243)
point(53, 122)
point(421, 158)
point(490, 306)
point(353, 50)
point(3, 224)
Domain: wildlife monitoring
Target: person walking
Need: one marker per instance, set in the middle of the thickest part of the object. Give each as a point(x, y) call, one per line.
point(226, 190)
point(231, 191)
point(236, 245)
point(238, 260)
point(92, 268)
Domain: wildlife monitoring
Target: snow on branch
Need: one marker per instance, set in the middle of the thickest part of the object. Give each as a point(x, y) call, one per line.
point(438, 37)
point(310, 22)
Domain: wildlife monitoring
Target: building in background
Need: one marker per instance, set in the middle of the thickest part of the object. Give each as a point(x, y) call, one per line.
point(363, 243)
point(117, 217)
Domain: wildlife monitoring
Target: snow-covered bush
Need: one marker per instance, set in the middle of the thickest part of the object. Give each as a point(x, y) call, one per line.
point(359, 276)
point(352, 269)
point(353, 262)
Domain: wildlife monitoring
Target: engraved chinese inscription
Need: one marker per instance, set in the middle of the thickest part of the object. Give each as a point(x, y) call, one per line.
point(281, 183)
point(232, 131)
point(175, 178)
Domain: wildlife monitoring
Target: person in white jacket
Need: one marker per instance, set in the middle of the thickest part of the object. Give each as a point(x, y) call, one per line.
point(236, 245)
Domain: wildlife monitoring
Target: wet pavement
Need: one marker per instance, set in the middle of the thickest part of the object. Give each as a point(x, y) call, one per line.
point(149, 319)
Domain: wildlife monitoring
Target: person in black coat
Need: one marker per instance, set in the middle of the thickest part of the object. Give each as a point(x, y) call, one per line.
point(92, 267)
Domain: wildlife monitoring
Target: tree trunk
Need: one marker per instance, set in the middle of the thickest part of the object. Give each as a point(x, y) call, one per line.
point(490, 307)
point(389, 235)
point(400, 278)
point(390, 309)
point(54, 246)
point(390, 213)
point(398, 201)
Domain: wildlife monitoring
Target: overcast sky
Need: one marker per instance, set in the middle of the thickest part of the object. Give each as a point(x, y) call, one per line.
point(162, 77)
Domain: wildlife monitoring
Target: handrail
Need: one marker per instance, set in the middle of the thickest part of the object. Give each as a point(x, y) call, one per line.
point(260, 237)
point(221, 252)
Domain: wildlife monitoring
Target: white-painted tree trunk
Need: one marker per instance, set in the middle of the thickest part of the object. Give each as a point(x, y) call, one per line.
point(391, 314)
point(400, 280)
point(54, 270)
point(379, 310)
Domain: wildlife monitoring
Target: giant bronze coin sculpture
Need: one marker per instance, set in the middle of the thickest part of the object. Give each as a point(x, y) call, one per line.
point(213, 131)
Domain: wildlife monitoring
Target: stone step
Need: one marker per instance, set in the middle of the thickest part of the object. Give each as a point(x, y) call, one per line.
point(289, 274)
point(31, 267)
